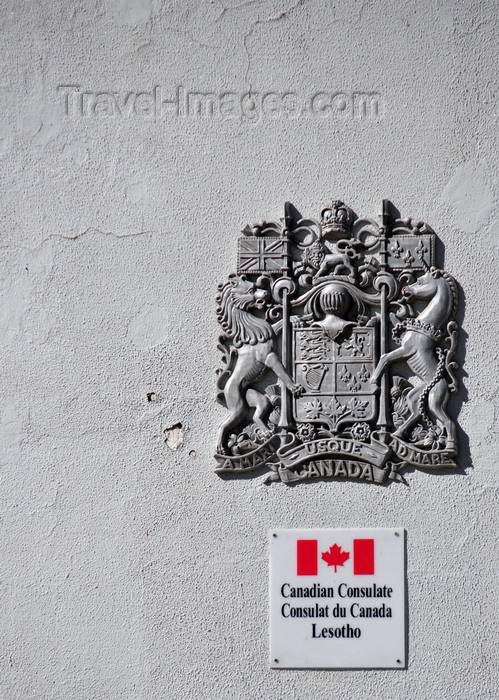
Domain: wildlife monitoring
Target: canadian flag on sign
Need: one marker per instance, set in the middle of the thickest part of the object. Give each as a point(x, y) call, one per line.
point(307, 557)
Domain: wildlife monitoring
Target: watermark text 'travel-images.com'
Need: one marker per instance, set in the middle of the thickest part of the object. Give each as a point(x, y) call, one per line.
point(253, 106)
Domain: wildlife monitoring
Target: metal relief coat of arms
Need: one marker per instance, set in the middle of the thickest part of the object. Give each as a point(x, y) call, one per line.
point(338, 348)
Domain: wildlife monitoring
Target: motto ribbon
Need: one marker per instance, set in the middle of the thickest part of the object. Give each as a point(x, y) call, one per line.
point(374, 453)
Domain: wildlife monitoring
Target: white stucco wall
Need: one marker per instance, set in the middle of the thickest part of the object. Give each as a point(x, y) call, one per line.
point(130, 571)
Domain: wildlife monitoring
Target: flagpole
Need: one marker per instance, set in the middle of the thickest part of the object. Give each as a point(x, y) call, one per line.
point(286, 409)
point(383, 404)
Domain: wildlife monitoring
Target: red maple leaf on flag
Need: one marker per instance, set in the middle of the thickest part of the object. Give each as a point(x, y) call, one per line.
point(335, 557)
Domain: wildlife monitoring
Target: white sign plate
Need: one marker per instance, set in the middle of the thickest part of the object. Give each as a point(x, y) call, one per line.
point(337, 598)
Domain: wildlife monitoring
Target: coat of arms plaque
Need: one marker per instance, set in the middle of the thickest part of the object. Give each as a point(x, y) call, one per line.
point(338, 347)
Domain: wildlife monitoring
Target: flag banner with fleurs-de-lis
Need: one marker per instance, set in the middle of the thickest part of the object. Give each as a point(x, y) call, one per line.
point(338, 344)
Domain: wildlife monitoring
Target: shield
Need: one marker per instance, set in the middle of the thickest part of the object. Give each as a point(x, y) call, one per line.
point(335, 375)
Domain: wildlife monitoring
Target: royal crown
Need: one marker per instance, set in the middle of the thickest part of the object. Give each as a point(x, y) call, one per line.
point(336, 221)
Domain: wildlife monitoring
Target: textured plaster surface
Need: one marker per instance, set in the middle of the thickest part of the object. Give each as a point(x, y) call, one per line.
point(129, 571)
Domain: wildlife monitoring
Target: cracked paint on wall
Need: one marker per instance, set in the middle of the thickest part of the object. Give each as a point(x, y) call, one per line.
point(12, 434)
point(149, 327)
point(469, 196)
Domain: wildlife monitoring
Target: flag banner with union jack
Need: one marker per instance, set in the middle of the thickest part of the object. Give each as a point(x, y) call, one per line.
point(262, 254)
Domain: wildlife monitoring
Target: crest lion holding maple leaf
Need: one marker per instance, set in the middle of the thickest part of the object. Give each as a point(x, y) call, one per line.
point(252, 354)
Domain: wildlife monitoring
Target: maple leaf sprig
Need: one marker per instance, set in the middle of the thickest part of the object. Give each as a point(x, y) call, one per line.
point(335, 557)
